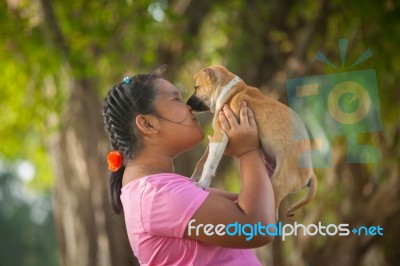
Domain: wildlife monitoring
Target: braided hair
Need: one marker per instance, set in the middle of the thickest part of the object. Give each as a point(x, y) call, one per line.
point(122, 104)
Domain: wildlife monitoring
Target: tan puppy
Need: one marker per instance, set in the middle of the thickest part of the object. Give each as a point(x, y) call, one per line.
point(216, 86)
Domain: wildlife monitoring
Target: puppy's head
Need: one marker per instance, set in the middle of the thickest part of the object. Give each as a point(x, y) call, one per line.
point(208, 84)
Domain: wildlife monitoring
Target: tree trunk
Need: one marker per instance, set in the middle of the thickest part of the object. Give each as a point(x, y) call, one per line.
point(88, 233)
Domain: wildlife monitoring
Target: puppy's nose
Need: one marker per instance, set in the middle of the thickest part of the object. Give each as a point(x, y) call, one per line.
point(196, 104)
point(191, 102)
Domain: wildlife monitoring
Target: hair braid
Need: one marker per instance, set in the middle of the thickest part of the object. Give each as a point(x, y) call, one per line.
point(121, 105)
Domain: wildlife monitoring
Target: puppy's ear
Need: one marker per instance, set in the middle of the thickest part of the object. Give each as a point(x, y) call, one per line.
point(208, 74)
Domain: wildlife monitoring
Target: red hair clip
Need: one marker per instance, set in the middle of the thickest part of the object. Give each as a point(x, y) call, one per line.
point(114, 160)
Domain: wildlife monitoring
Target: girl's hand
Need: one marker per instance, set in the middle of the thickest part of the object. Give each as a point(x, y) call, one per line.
point(255, 202)
point(243, 135)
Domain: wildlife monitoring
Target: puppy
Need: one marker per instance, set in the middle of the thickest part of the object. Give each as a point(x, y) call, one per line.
point(282, 152)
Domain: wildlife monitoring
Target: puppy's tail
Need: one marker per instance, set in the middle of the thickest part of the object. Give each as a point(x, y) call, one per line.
point(312, 186)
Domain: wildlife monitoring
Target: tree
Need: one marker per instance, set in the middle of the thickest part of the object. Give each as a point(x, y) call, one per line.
point(88, 233)
point(76, 50)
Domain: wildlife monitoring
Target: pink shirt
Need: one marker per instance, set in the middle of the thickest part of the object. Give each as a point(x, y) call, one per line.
point(157, 209)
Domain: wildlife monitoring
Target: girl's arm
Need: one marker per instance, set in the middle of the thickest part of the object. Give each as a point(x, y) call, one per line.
point(255, 204)
point(225, 194)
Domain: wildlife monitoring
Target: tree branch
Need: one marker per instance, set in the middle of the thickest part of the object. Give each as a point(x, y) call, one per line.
point(54, 28)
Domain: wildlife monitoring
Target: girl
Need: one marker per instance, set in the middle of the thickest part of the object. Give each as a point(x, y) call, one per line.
point(149, 125)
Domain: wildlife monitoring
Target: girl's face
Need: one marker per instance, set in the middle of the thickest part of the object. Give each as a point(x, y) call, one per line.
point(179, 128)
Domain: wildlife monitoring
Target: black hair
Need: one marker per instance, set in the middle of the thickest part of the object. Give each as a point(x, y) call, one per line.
point(121, 106)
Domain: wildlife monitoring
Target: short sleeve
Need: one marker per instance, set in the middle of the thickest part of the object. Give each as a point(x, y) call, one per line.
point(168, 203)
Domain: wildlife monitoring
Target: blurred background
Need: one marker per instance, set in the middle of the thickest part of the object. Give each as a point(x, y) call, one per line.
point(59, 58)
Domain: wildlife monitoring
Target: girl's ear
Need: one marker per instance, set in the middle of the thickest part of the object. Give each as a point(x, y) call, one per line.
point(147, 124)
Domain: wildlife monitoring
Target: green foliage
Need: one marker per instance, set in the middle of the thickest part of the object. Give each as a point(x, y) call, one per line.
point(34, 83)
point(105, 40)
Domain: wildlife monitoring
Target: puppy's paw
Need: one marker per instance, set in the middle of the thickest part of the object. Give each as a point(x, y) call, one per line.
point(203, 183)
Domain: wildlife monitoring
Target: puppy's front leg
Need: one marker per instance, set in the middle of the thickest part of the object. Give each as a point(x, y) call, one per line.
point(216, 149)
point(200, 166)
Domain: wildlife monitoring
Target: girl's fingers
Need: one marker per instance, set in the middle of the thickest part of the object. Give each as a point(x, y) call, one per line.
point(251, 119)
point(243, 114)
point(230, 117)
point(228, 120)
point(224, 122)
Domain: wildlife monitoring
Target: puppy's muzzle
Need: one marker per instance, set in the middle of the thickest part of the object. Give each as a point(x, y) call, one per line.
point(196, 104)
